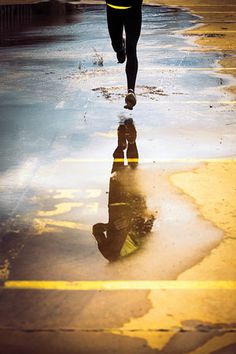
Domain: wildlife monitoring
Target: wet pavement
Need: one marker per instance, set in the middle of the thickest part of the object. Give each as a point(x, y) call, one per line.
point(61, 103)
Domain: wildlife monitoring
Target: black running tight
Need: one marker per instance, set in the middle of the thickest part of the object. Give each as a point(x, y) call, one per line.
point(131, 21)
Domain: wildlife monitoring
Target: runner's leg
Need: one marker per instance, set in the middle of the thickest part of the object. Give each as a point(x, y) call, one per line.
point(132, 155)
point(115, 28)
point(133, 22)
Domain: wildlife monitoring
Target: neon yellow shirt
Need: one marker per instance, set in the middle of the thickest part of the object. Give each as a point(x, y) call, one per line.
point(128, 247)
point(119, 7)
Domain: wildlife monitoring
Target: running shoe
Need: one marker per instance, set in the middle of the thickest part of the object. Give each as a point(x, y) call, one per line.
point(130, 100)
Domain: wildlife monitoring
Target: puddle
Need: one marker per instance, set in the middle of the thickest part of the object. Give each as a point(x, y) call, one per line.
point(60, 132)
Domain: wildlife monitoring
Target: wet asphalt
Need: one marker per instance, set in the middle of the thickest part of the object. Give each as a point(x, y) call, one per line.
point(61, 100)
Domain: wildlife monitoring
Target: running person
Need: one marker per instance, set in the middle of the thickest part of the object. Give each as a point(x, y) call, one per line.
point(130, 220)
point(126, 14)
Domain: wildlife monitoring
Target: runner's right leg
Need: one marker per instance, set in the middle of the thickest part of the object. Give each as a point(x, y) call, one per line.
point(133, 23)
point(118, 155)
point(115, 28)
point(132, 151)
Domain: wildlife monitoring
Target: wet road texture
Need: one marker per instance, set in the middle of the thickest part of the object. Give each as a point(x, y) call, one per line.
point(61, 102)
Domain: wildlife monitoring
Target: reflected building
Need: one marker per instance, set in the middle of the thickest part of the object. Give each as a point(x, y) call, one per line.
point(130, 220)
point(12, 16)
point(18, 16)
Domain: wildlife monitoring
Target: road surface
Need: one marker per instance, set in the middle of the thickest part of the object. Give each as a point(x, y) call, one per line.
point(62, 96)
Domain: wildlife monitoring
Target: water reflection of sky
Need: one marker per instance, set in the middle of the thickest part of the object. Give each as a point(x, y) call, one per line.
point(48, 108)
point(58, 132)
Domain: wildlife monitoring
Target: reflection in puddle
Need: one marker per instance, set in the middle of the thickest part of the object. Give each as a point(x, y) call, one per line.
point(130, 221)
point(61, 215)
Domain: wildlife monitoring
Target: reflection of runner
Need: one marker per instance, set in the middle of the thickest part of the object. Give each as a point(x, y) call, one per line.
point(129, 218)
point(126, 14)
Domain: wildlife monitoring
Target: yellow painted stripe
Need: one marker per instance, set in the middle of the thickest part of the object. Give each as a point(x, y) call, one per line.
point(156, 160)
point(123, 160)
point(177, 160)
point(120, 285)
point(119, 7)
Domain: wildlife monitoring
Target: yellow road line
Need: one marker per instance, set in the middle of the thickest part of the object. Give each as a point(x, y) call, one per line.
point(154, 160)
point(177, 160)
point(120, 285)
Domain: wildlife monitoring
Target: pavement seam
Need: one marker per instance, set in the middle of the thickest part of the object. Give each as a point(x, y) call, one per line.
point(121, 330)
